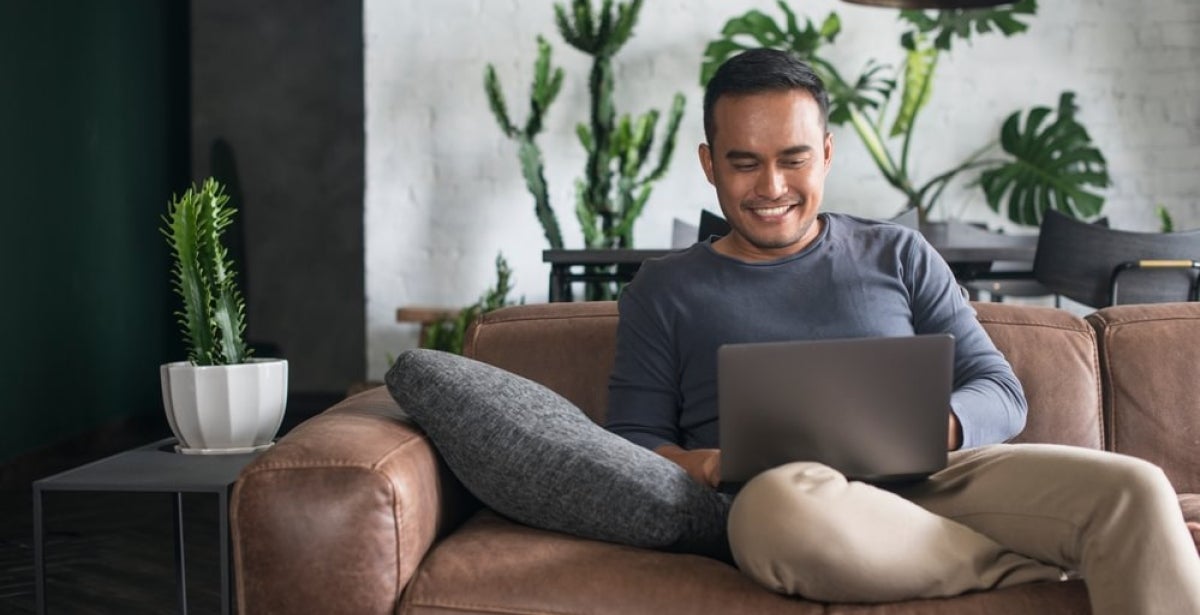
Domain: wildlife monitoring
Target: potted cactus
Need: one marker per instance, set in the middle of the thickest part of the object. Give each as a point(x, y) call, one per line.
point(219, 401)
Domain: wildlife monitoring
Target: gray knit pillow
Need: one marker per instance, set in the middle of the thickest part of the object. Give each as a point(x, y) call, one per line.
point(531, 455)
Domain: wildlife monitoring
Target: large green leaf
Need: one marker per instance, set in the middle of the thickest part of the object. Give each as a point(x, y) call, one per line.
point(1055, 166)
point(757, 29)
point(918, 86)
point(869, 91)
point(961, 23)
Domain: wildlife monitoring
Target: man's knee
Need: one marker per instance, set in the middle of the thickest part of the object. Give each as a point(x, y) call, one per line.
point(784, 526)
point(1127, 478)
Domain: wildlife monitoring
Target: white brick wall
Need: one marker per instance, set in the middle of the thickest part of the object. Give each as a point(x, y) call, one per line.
point(444, 193)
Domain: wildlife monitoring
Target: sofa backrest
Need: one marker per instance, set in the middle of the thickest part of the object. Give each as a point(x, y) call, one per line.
point(1150, 367)
point(1053, 353)
point(569, 347)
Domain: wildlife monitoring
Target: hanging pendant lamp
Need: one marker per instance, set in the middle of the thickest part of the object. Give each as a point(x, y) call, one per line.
point(933, 4)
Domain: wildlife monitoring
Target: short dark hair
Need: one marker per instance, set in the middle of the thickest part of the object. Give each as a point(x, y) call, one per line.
point(762, 70)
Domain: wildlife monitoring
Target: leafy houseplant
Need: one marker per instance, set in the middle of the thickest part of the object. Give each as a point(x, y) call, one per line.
point(448, 333)
point(219, 400)
point(617, 181)
point(1047, 165)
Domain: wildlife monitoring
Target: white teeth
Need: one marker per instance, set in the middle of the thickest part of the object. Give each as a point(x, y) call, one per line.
point(773, 211)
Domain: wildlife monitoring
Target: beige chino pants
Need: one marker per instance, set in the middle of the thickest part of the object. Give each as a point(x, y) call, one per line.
point(996, 516)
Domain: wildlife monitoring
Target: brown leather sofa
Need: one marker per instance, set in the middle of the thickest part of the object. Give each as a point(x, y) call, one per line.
point(353, 512)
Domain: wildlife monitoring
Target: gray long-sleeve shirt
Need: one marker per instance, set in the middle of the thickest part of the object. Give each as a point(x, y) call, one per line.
point(859, 278)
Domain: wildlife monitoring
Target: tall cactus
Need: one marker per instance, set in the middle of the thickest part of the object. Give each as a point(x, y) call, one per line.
point(547, 81)
point(213, 316)
point(617, 148)
point(617, 180)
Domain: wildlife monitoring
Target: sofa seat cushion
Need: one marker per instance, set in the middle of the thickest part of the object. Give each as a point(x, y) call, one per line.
point(492, 565)
point(531, 455)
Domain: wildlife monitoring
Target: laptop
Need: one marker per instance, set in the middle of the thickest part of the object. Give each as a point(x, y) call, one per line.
point(875, 409)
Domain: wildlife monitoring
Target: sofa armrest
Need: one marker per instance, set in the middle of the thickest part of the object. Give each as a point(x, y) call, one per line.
point(336, 516)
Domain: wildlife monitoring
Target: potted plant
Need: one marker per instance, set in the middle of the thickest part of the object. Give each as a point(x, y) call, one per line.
point(219, 401)
point(1047, 161)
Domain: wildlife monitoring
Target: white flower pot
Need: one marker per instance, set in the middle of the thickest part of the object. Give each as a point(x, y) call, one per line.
point(224, 409)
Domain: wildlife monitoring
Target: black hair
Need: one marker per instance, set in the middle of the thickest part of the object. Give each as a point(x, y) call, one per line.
point(762, 70)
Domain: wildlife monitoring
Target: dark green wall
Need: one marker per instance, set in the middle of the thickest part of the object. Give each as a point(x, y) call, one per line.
point(93, 141)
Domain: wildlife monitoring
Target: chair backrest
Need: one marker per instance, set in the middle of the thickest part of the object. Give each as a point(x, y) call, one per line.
point(1076, 259)
point(711, 224)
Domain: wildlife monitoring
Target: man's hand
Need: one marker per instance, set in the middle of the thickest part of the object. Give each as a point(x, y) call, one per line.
point(702, 464)
point(954, 439)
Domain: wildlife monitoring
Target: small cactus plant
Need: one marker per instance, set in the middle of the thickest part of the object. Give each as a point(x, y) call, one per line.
point(213, 316)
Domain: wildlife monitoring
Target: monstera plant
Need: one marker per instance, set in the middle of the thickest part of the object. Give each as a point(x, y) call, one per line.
point(1043, 159)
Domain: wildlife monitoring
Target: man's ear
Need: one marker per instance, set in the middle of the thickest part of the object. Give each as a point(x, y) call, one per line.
point(828, 151)
point(706, 162)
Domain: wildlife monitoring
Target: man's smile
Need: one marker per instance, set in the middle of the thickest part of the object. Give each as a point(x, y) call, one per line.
point(771, 213)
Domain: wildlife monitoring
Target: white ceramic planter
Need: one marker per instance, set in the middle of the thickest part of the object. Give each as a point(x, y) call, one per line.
point(224, 409)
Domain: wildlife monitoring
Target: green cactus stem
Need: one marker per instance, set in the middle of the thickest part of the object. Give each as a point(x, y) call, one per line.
point(213, 316)
point(547, 81)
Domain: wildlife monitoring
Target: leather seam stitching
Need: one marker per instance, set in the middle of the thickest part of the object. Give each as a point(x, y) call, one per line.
point(330, 464)
point(1037, 323)
point(1111, 322)
point(469, 606)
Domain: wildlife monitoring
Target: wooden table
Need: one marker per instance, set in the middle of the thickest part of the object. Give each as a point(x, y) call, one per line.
point(969, 250)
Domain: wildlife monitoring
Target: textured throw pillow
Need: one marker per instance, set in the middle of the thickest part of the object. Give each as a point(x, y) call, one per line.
point(532, 456)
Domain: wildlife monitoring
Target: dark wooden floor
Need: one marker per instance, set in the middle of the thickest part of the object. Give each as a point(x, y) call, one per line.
point(112, 553)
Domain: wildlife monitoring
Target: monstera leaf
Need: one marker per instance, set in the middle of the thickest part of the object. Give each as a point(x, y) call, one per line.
point(1053, 168)
point(757, 29)
point(961, 22)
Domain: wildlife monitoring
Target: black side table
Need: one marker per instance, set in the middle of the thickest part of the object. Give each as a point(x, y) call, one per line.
point(153, 468)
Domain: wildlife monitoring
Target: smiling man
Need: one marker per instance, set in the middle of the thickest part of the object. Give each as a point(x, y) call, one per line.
point(998, 515)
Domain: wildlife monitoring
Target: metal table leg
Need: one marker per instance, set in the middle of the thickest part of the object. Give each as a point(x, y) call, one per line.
point(39, 556)
point(557, 282)
point(223, 537)
point(180, 569)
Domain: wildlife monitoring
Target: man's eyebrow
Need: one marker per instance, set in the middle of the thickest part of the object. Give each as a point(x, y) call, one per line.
point(740, 155)
point(795, 150)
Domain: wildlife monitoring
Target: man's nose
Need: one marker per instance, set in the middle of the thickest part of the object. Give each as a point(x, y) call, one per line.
point(772, 184)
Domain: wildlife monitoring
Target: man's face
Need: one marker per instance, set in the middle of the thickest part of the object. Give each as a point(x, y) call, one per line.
point(768, 160)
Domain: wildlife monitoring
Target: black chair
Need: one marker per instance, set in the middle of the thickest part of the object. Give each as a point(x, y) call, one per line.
point(711, 224)
point(1008, 279)
point(1097, 266)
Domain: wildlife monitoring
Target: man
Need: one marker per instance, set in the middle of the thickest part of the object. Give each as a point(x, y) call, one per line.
point(996, 516)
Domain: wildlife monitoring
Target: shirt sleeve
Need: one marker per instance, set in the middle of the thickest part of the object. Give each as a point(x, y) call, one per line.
point(643, 402)
point(987, 399)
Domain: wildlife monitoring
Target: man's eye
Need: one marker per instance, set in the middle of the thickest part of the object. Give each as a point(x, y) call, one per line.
point(745, 167)
point(794, 164)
